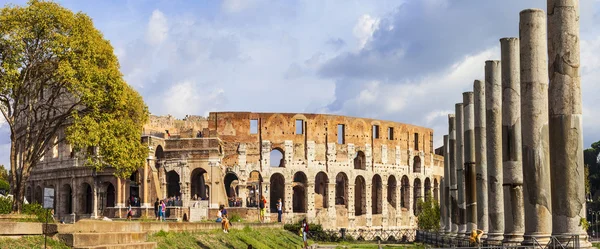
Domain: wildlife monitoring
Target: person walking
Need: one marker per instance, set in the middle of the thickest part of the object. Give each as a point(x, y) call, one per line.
point(279, 210)
point(161, 211)
point(305, 232)
point(129, 211)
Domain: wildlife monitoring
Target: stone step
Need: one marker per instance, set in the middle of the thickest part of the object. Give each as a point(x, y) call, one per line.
point(94, 239)
point(141, 245)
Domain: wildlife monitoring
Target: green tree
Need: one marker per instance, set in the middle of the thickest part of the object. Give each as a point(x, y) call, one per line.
point(429, 214)
point(3, 173)
point(60, 82)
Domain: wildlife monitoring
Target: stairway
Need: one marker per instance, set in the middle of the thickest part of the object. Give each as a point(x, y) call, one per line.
point(107, 240)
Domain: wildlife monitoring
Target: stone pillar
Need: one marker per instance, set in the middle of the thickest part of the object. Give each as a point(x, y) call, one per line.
point(311, 213)
point(452, 180)
point(266, 192)
point(493, 123)
point(350, 201)
point(119, 193)
point(446, 187)
point(514, 219)
point(384, 204)
point(369, 215)
point(534, 115)
point(288, 194)
point(331, 212)
point(460, 172)
point(480, 156)
point(145, 200)
point(94, 198)
point(469, 161)
point(566, 132)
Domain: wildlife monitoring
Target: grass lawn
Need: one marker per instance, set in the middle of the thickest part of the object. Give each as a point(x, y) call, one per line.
point(371, 245)
point(597, 245)
point(236, 238)
point(30, 242)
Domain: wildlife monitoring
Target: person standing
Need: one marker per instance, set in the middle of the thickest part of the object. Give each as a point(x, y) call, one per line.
point(279, 210)
point(129, 212)
point(305, 232)
point(156, 209)
point(261, 205)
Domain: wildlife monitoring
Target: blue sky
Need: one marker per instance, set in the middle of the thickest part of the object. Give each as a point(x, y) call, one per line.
point(407, 61)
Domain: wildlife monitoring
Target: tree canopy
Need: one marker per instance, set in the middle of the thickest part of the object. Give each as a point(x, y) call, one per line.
point(429, 214)
point(60, 83)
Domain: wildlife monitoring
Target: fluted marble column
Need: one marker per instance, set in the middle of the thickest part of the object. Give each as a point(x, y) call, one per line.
point(460, 172)
point(481, 157)
point(493, 123)
point(514, 219)
point(469, 158)
point(447, 202)
point(453, 185)
point(566, 132)
point(534, 126)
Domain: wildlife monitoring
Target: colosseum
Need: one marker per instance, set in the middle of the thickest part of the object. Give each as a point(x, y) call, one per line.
point(341, 172)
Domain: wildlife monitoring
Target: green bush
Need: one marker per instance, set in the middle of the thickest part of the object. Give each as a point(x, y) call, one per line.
point(315, 232)
point(4, 187)
point(37, 210)
point(429, 214)
point(5, 205)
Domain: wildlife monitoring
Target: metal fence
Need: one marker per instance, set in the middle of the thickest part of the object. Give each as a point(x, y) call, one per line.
point(438, 240)
point(396, 235)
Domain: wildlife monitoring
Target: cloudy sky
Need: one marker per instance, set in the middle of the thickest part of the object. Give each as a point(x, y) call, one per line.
point(406, 61)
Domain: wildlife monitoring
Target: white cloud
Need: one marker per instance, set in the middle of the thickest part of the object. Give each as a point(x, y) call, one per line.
point(189, 98)
point(364, 29)
point(158, 29)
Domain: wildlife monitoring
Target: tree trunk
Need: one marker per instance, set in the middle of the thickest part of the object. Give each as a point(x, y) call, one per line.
point(18, 180)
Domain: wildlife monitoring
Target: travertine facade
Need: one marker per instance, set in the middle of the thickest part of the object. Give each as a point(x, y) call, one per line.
point(335, 170)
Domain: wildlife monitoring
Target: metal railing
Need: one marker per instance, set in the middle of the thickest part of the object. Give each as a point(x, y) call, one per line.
point(438, 240)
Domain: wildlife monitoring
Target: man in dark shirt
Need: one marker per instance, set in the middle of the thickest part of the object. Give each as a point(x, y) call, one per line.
point(156, 208)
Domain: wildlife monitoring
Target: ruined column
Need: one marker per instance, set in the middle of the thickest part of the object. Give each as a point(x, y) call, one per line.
point(480, 156)
point(566, 132)
point(452, 180)
point(514, 219)
point(493, 123)
point(534, 126)
point(460, 171)
point(469, 159)
point(447, 202)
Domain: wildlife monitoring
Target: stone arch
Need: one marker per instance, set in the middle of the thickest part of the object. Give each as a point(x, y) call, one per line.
point(360, 196)
point(376, 195)
point(38, 195)
point(134, 188)
point(427, 188)
point(28, 194)
point(231, 185)
point(254, 188)
point(198, 184)
point(67, 196)
point(300, 204)
point(322, 190)
point(417, 195)
point(277, 191)
point(86, 200)
point(436, 190)
point(417, 164)
point(360, 161)
point(173, 187)
point(391, 191)
point(277, 157)
point(341, 189)
point(405, 193)
point(110, 195)
point(159, 153)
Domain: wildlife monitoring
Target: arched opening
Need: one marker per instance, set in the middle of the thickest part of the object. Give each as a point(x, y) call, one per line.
point(55, 196)
point(277, 191)
point(427, 188)
point(173, 188)
point(86, 206)
point(321, 190)
point(300, 194)
point(360, 196)
point(359, 161)
point(67, 197)
point(391, 191)
point(28, 194)
point(417, 195)
point(436, 190)
point(38, 195)
point(232, 189)
point(376, 195)
point(198, 184)
point(159, 153)
point(341, 189)
point(110, 195)
point(405, 193)
point(276, 158)
point(416, 164)
point(254, 186)
point(134, 189)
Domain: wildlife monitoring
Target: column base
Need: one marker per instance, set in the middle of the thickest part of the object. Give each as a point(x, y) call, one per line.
point(513, 239)
point(495, 237)
point(536, 240)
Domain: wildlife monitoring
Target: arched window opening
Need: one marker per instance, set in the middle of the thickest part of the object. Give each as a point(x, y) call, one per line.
point(110, 195)
point(360, 196)
point(67, 196)
point(321, 190)
point(376, 195)
point(405, 193)
point(276, 158)
point(391, 191)
point(417, 194)
point(38, 195)
point(427, 189)
point(134, 189)
point(87, 199)
point(254, 187)
point(341, 189)
point(199, 190)
point(436, 191)
point(231, 189)
point(173, 188)
point(417, 164)
point(359, 161)
point(300, 195)
point(28, 195)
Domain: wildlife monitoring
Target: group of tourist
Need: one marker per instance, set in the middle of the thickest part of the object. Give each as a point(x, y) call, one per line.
point(222, 218)
point(160, 209)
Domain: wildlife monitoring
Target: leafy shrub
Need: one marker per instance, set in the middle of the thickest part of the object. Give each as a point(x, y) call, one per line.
point(429, 214)
point(37, 210)
point(235, 217)
point(315, 232)
point(5, 205)
point(4, 187)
